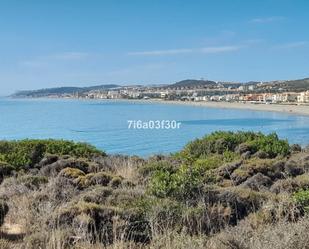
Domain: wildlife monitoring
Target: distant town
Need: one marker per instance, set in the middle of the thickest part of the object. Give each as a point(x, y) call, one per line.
point(292, 92)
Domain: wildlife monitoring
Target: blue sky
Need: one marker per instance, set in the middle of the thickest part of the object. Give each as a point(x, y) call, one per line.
point(78, 42)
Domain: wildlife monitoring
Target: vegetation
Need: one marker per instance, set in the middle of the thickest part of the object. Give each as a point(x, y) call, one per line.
point(222, 191)
point(24, 153)
point(302, 197)
point(221, 141)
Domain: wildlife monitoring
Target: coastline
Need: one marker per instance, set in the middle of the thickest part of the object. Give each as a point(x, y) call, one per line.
point(282, 108)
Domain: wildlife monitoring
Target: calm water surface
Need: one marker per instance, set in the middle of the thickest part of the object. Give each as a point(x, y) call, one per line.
point(104, 123)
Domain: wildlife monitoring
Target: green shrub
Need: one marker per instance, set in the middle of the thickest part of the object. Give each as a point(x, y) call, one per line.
point(153, 167)
point(184, 183)
point(221, 141)
point(302, 198)
point(29, 152)
point(271, 144)
point(208, 163)
point(162, 183)
point(218, 142)
point(186, 180)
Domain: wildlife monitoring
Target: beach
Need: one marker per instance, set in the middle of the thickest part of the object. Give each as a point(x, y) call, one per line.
point(283, 108)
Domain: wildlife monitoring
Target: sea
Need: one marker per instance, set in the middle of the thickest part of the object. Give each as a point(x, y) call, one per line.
point(156, 128)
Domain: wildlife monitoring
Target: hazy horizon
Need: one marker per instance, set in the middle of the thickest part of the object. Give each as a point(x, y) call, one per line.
point(46, 44)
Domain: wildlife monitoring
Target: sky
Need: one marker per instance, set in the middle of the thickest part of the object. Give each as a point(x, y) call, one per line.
point(52, 43)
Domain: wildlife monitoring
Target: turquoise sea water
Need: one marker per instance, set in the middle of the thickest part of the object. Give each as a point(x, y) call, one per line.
point(105, 123)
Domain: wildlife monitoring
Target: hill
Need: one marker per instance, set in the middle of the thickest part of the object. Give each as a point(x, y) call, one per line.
point(292, 85)
point(61, 91)
point(193, 83)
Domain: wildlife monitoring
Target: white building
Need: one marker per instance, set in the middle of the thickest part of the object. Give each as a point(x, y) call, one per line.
point(251, 87)
point(303, 97)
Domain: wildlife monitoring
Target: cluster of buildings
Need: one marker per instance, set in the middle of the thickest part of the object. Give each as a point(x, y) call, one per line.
point(287, 97)
point(195, 95)
point(227, 92)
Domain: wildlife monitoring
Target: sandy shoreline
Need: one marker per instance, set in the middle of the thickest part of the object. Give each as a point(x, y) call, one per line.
point(283, 108)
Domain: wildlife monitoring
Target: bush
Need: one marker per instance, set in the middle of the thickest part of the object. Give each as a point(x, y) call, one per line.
point(302, 198)
point(271, 145)
point(187, 180)
point(29, 152)
point(185, 183)
point(218, 142)
point(221, 141)
point(155, 166)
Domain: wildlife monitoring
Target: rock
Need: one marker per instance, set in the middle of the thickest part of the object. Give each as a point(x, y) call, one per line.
point(258, 182)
